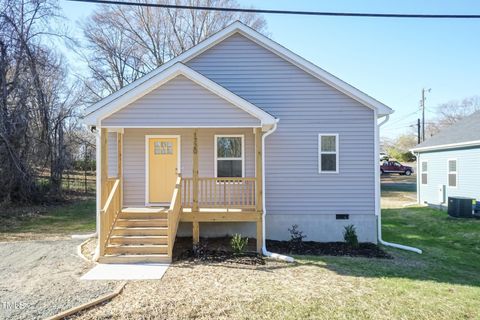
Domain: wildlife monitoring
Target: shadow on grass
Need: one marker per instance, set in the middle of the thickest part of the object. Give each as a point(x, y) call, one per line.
point(400, 186)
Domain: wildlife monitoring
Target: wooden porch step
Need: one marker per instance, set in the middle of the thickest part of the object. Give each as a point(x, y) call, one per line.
point(141, 222)
point(137, 258)
point(125, 240)
point(140, 231)
point(137, 249)
point(144, 213)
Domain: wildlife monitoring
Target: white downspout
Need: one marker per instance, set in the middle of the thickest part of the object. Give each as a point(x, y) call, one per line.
point(378, 209)
point(264, 241)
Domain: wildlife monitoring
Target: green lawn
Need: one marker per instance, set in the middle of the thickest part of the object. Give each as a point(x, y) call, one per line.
point(78, 216)
point(442, 283)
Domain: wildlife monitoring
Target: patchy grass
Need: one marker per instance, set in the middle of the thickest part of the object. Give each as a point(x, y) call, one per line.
point(39, 222)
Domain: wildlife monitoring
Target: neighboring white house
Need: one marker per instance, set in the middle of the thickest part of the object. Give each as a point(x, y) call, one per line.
point(449, 163)
point(235, 135)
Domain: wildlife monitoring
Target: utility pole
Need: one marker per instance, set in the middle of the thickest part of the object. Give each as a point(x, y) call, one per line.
point(422, 106)
point(418, 131)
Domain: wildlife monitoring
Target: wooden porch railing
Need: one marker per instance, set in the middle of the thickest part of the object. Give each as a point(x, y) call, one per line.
point(109, 213)
point(109, 184)
point(220, 193)
point(174, 215)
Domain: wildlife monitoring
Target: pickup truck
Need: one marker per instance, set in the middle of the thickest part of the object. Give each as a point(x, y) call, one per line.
point(395, 167)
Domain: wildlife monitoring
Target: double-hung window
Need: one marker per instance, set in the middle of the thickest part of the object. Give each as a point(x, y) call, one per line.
point(229, 156)
point(328, 153)
point(452, 173)
point(424, 176)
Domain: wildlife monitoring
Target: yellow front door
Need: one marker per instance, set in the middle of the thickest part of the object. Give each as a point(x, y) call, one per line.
point(162, 171)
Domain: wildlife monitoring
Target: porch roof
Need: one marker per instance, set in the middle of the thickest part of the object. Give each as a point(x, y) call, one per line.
point(101, 110)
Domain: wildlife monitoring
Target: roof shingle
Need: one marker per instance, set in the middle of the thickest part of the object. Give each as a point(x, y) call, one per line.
point(464, 131)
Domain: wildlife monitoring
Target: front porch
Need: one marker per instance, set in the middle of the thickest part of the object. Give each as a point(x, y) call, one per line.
point(129, 232)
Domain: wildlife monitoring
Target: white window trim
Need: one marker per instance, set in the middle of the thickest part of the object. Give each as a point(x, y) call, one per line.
point(452, 172)
point(147, 162)
point(422, 172)
point(215, 151)
point(320, 152)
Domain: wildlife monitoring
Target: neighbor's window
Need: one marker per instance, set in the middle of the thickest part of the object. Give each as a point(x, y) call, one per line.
point(328, 153)
point(452, 173)
point(424, 172)
point(229, 156)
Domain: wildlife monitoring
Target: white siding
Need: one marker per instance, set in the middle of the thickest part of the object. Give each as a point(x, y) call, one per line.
point(181, 102)
point(468, 180)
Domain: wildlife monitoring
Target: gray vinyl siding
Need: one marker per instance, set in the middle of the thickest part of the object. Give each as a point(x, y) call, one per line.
point(178, 103)
point(468, 180)
point(112, 154)
point(134, 156)
point(306, 107)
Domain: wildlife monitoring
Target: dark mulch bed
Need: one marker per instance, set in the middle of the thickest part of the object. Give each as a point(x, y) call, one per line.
point(368, 250)
point(215, 250)
point(221, 256)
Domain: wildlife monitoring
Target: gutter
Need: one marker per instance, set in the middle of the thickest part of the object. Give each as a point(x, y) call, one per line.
point(377, 196)
point(265, 252)
point(441, 147)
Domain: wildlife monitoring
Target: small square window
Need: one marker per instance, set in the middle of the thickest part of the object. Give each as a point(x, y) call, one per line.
point(163, 147)
point(329, 144)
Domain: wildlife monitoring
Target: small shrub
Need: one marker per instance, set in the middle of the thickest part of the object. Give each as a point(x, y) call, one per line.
point(296, 238)
point(350, 235)
point(200, 250)
point(238, 243)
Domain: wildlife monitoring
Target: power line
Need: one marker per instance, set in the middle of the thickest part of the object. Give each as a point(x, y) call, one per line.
point(289, 12)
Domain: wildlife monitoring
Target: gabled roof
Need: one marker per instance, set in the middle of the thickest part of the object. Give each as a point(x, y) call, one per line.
point(102, 109)
point(464, 133)
point(238, 27)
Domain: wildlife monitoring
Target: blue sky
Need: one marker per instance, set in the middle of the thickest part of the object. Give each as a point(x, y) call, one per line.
point(389, 59)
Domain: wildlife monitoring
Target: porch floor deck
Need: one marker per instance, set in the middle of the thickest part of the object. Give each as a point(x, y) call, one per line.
point(203, 214)
point(219, 210)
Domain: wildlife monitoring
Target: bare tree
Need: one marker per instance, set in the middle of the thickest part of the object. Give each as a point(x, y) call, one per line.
point(451, 112)
point(126, 42)
point(36, 101)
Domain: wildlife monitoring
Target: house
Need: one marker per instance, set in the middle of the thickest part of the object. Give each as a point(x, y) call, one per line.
point(235, 135)
point(448, 163)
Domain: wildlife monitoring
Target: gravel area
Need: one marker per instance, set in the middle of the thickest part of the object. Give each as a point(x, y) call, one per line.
point(41, 278)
